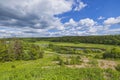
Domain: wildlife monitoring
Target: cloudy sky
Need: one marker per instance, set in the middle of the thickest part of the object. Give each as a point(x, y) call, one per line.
point(50, 18)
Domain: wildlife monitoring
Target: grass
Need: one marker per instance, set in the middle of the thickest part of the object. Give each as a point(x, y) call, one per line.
point(78, 45)
point(45, 69)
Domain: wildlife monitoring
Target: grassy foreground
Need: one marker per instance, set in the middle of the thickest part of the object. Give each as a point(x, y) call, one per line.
point(47, 69)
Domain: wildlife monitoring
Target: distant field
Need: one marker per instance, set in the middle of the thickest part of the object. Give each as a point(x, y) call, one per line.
point(78, 44)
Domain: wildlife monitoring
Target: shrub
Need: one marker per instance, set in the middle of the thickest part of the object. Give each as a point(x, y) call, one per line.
point(118, 67)
point(93, 63)
point(61, 62)
point(19, 50)
point(87, 51)
point(13, 66)
point(113, 53)
point(75, 60)
point(98, 56)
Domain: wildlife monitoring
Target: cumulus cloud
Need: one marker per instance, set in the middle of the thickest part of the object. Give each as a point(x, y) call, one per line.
point(80, 5)
point(36, 18)
point(87, 22)
point(112, 20)
point(34, 14)
point(85, 26)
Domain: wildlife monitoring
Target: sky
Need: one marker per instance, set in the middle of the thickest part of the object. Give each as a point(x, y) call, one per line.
point(53, 18)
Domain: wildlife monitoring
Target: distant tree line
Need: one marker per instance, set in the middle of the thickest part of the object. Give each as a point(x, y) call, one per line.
point(106, 39)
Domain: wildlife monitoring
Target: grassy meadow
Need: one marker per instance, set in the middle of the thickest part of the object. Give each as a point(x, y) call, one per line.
point(59, 66)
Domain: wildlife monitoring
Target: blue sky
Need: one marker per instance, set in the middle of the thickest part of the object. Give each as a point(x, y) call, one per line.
point(51, 18)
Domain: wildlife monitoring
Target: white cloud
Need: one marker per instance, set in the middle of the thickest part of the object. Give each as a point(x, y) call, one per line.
point(38, 12)
point(35, 18)
point(35, 14)
point(80, 5)
point(112, 20)
point(49, 7)
point(70, 24)
point(87, 22)
point(101, 17)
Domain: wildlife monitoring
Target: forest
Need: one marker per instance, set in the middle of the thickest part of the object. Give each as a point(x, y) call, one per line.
point(104, 39)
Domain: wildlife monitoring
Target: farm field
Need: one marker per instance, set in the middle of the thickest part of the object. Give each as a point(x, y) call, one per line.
point(63, 66)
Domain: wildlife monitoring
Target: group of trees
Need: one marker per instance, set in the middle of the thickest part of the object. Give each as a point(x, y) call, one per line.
point(105, 39)
point(19, 50)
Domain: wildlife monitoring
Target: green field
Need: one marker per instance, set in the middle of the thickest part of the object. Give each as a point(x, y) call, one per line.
point(78, 44)
point(47, 68)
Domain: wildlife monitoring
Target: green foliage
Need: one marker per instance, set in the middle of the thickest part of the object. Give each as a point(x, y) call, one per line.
point(57, 58)
point(106, 39)
point(118, 67)
point(63, 50)
point(93, 63)
point(87, 51)
point(18, 50)
point(61, 62)
point(13, 66)
point(98, 56)
point(26, 55)
point(73, 60)
point(113, 53)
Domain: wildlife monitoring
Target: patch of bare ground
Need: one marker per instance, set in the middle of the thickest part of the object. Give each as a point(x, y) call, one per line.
point(105, 64)
point(55, 62)
point(50, 67)
point(107, 76)
point(84, 64)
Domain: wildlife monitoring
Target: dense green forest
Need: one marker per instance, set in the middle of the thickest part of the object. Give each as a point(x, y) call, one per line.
point(105, 39)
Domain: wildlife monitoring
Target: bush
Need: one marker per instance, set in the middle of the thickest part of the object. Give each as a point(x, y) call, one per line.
point(35, 52)
point(74, 60)
point(118, 67)
point(61, 62)
point(18, 50)
point(87, 51)
point(26, 55)
point(93, 63)
point(13, 66)
point(113, 53)
point(98, 56)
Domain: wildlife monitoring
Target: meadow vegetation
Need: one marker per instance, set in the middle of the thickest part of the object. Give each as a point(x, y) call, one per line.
point(35, 59)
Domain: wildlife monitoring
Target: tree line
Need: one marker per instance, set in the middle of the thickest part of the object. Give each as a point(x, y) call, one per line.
point(105, 39)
